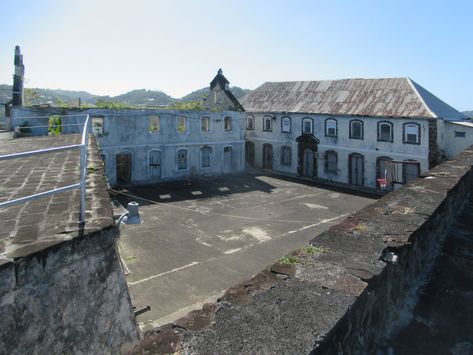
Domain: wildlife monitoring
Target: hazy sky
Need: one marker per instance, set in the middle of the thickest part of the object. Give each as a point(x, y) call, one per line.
point(113, 46)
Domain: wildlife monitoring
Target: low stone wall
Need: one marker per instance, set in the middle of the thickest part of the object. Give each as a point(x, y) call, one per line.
point(387, 302)
point(71, 298)
point(348, 292)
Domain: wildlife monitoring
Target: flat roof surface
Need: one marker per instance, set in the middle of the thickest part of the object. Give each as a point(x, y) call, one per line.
point(36, 225)
point(200, 237)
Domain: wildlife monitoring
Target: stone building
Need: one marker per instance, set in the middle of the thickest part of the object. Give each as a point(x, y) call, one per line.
point(143, 146)
point(352, 131)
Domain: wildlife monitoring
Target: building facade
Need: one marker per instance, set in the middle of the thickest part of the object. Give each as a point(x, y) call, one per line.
point(143, 146)
point(352, 132)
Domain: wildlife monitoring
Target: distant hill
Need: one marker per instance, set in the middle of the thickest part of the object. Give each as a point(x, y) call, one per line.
point(204, 92)
point(468, 113)
point(140, 97)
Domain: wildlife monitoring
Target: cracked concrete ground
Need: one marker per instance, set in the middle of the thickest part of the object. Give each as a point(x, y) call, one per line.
point(200, 237)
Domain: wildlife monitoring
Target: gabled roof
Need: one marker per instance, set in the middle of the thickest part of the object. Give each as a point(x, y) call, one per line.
point(389, 97)
point(220, 79)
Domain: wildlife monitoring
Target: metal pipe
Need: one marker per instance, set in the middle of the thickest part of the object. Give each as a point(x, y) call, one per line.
point(40, 151)
point(143, 310)
point(39, 195)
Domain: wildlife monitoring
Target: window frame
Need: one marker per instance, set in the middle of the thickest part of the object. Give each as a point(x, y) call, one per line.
point(326, 127)
point(270, 120)
point(150, 124)
point(326, 161)
point(179, 117)
point(283, 161)
point(282, 125)
point(185, 160)
point(308, 119)
point(460, 134)
point(202, 119)
point(250, 118)
point(225, 120)
point(208, 149)
point(405, 134)
point(101, 129)
point(391, 132)
point(362, 129)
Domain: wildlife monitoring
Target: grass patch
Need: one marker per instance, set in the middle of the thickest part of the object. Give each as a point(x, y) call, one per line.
point(92, 169)
point(290, 260)
point(312, 249)
point(361, 227)
point(129, 259)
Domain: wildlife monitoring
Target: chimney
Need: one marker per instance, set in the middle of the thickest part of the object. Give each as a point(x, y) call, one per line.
point(18, 78)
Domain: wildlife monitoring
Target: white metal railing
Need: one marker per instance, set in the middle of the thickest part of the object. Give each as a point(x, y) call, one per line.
point(83, 169)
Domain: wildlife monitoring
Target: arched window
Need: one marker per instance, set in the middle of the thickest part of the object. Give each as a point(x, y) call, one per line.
point(286, 155)
point(227, 123)
point(286, 124)
point(267, 123)
point(331, 161)
point(250, 123)
point(307, 125)
point(411, 133)
point(331, 127)
point(205, 124)
point(385, 131)
point(356, 129)
point(205, 156)
point(182, 159)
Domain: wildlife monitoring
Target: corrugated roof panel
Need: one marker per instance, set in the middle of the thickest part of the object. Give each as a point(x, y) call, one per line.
point(368, 97)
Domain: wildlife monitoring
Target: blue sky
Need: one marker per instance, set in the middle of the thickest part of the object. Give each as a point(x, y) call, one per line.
point(112, 46)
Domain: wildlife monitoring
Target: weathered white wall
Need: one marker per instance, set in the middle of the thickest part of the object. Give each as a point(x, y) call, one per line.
point(127, 131)
point(454, 145)
point(369, 147)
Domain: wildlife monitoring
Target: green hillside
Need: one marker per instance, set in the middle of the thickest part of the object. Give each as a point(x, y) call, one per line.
point(139, 98)
point(468, 113)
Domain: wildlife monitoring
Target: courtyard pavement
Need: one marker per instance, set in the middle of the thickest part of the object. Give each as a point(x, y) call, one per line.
point(200, 237)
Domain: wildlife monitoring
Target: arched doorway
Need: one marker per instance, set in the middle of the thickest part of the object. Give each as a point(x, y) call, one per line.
point(123, 168)
point(250, 153)
point(308, 163)
point(356, 169)
point(267, 156)
point(154, 167)
point(307, 153)
point(227, 160)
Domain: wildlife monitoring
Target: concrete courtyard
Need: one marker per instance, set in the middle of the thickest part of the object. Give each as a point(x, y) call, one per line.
point(201, 237)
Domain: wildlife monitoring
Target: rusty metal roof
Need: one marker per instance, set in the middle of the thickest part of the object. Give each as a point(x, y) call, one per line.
point(389, 97)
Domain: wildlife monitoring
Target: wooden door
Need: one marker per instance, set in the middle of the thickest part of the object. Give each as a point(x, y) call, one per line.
point(308, 163)
point(356, 169)
point(250, 153)
point(267, 156)
point(154, 166)
point(227, 159)
point(123, 167)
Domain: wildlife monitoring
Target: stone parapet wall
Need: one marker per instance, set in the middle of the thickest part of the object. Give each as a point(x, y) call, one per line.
point(348, 292)
point(70, 298)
